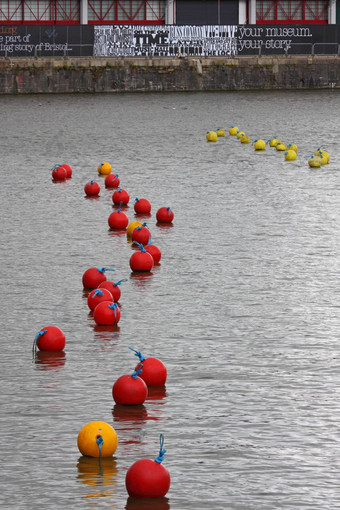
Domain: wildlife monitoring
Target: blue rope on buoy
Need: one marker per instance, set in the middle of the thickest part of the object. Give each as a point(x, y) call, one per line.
point(103, 269)
point(145, 225)
point(114, 307)
point(140, 246)
point(139, 228)
point(120, 281)
point(54, 169)
point(160, 457)
point(149, 241)
point(91, 182)
point(119, 190)
point(139, 370)
point(100, 442)
point(136, 199)
point(97, 292)
point(137, 353)
point(169, 210)
point(40, 333)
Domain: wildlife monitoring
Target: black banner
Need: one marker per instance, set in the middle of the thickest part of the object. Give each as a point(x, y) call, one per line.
point(46, 40)
point(167, 40)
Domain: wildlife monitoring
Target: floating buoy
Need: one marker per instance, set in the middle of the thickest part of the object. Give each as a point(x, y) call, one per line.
point(49, 338)
point(92, 189)
point(290, 155)
point(96, 296)
point(233, 130)
point(292, 147)
point(154, 371)
point(273, 141)
point(112, 181)
point(314, 161)
point(164, 215)
point(141, 234)
point(148, 478)
point(239, 134)
point(142, 206)
point(131, 227)
point(244, 139)
point(94, 276)
point(113, 288)
point(97, 439)
point(323, 155)
point(130, 389)
point(118, 220)
point(68, 170)
point(104, 168)
point(141, 260)
point(59, 173)
point(220, 132)
point(154, 251)
point(280, 146)
point(120, 197)
point(259, 145)
point(211, 136)
point(106, 313)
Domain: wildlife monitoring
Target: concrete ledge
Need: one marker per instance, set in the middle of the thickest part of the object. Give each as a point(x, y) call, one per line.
point(81, 75)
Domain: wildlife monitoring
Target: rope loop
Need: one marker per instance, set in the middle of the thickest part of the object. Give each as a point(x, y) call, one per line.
point(162, 451)
point(100, 442)
point(139, 370)
point(39, 334)
point(137, 353)
point(97, 292)
point(120, 281)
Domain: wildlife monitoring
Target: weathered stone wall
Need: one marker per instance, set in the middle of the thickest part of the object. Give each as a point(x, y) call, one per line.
point(93, 75)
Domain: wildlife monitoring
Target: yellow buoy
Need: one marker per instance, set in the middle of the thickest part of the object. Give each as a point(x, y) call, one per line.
point(233, 130)
point(211, 136)
point(131, 227)
point(244, 139)
point(314, 161)
point(292, 147)
point(220, 132)
point(290, 155)
point(260, 145)
point(104, 168)
point(324, 154)
point(273, 141)
point(97, 439)
point(239, 134)
point(280, 146)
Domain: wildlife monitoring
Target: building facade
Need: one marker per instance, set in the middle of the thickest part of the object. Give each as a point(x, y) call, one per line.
point(179, 12)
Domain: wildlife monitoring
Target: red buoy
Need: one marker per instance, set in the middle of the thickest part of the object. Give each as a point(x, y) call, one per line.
point(96, 296)
point(106, 313)
point(68, 170)
point(154, 251)
point(130, 389)
point(113, 288)
point(164, 215)
point(120, 197)
point(148, 478)
point(118, 220)
point(154, 371)
point(112, 181)
point(141, 234)
point(142, 206)
point(59, 173)
point(141, 260)
point(92, 189)
point(50, 338)
point(94, 276)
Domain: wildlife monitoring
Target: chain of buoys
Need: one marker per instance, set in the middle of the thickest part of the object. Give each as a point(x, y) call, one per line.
point(290, 151)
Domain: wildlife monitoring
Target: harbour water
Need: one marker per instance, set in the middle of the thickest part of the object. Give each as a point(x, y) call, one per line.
point(244, 309)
